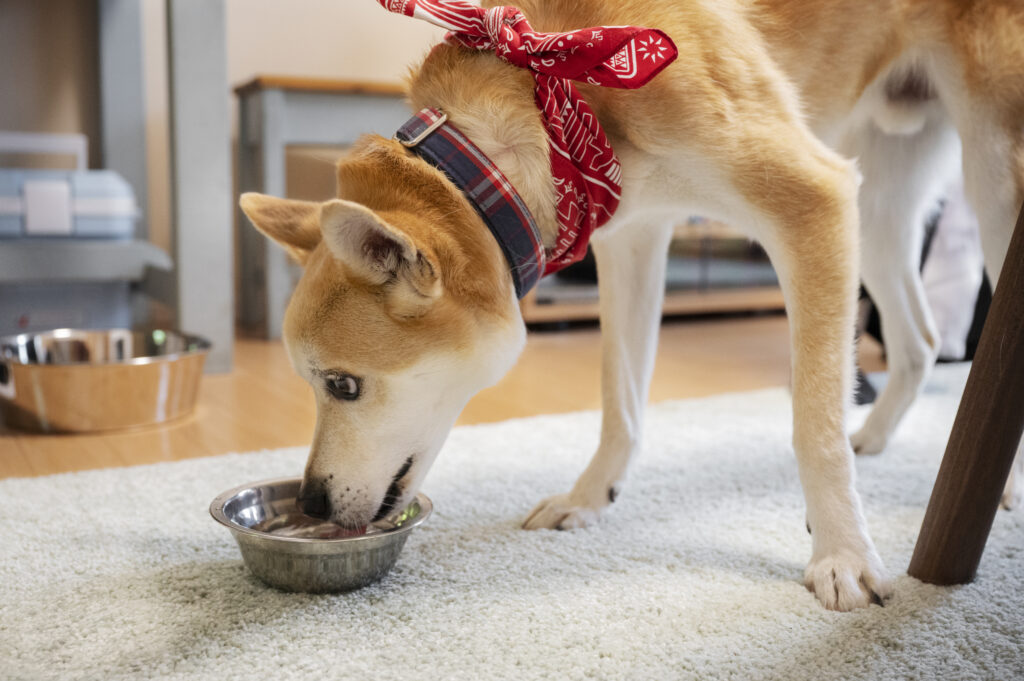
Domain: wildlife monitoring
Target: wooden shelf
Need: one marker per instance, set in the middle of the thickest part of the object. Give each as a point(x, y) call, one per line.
point(48, 260)
point(726, 277)
point(329, 85)
point(676, 303)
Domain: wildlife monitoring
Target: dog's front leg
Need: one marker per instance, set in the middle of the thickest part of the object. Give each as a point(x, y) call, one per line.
point(631, 280)
point(814, 250)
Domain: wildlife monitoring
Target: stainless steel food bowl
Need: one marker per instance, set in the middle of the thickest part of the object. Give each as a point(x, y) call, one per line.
point(306, 564)
point(75, 380)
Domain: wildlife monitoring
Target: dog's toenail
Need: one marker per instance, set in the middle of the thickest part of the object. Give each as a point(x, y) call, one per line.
point(612, 494)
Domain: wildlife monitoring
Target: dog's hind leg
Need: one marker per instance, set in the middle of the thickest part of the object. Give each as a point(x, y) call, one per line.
point(997, 202)
point(1013, 493)
point(631, 260)
point(804, 197)
point(905, 176)
point(978, 77)
point(994, 184)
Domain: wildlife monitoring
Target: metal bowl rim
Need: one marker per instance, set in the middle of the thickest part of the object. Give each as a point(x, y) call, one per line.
point(217, 511)
point(204, 348)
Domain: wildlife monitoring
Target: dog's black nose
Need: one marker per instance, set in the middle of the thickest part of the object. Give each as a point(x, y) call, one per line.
point(313, 500)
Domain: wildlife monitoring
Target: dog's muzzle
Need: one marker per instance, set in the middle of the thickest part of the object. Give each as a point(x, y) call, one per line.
point(313, 499)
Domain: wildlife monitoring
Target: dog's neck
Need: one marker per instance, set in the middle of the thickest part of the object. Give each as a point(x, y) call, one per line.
point(493, 104)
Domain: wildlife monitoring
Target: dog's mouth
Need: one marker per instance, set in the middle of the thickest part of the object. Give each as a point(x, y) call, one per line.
point(394, 492)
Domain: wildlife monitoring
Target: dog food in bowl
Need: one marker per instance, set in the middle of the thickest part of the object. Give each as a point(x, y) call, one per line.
point(301, 525)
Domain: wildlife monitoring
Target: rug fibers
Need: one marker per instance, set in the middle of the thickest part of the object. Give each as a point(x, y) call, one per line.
point(694, 574)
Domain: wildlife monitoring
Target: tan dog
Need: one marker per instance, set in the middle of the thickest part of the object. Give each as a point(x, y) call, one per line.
point(406, 307)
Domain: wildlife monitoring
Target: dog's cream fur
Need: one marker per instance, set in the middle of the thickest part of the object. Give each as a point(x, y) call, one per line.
point(405, 288)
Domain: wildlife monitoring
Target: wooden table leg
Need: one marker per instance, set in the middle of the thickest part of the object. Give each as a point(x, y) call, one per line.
point(985, 436)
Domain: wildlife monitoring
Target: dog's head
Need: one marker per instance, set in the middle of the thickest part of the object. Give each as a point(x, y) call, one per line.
point(404, 310)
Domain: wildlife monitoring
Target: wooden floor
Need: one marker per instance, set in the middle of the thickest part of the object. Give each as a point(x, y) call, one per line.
point(262, 404)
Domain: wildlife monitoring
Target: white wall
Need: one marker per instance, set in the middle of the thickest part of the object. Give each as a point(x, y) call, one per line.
point(346, 39)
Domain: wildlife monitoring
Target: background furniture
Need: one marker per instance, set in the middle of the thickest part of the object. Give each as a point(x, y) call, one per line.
point(200, 288)
point(711, 268)
point(275, 112)
point(68, 257)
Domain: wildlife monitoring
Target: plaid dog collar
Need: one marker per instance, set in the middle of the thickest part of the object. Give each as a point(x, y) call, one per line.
point(430, 136)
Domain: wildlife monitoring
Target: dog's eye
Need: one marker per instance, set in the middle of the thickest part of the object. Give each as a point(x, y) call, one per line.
point(343, 387)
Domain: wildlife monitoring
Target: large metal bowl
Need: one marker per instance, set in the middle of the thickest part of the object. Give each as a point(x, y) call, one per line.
point(75, 380)
point(308, 564)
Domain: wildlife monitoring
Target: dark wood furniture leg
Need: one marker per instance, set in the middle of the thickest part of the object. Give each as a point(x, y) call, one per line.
point(985, 436)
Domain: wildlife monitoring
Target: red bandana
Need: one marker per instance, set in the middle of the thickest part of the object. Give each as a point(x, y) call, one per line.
point(586, 172)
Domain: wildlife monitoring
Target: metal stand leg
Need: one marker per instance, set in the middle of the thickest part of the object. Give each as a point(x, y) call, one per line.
point(201, 174)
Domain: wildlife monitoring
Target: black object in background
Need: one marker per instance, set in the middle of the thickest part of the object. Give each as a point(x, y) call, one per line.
point(980, 313)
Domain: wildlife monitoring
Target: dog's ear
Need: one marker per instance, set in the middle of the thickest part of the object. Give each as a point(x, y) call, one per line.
point(295, 225)
point(381, 254)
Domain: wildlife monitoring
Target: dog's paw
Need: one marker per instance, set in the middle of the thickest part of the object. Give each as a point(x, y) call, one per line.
point(868, 440)
point(844, 580)
point(562, 512)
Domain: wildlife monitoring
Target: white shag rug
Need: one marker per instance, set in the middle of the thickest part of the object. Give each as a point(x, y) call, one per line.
point(694, 574)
